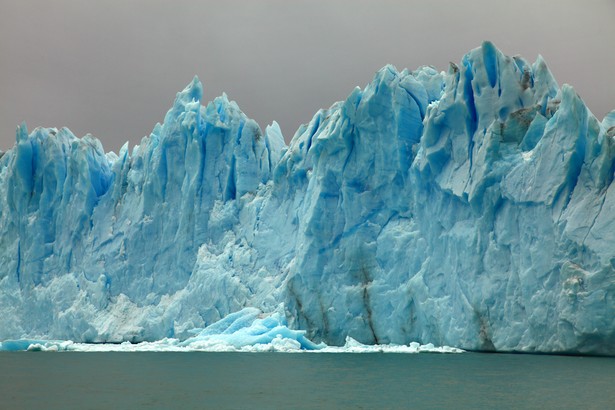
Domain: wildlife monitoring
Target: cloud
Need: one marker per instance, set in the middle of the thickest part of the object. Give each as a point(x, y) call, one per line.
point(112, 68)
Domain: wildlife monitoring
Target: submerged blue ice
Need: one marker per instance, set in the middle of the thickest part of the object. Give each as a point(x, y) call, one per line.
point(473, 208)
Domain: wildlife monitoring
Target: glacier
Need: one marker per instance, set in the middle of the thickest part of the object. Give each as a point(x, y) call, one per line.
point(471, 208)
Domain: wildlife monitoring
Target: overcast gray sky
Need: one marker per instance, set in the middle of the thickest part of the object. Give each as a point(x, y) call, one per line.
point(112, 68)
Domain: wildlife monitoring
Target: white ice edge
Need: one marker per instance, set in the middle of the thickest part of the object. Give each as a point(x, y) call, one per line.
point(282, 345)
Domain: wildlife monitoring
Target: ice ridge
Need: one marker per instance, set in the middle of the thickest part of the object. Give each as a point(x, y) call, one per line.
point(470, 208)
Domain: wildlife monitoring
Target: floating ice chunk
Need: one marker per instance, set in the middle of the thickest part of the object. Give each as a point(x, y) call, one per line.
point(35, 345)
point(249, 328)
point(352, 346)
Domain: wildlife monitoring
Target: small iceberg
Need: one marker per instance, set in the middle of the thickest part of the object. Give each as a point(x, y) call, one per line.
point(250, 329)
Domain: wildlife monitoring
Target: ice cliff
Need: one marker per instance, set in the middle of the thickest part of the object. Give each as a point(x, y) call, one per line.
point(473, 208)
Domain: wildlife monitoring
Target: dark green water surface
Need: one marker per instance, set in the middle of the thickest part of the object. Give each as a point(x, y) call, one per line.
point(45, 380)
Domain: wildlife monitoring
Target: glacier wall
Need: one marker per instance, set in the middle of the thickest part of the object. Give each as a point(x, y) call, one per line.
point(470, 208)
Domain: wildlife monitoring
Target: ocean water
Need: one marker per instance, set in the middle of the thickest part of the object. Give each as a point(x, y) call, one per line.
point(198, 380)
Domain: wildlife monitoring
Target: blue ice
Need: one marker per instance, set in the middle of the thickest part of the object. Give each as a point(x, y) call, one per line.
point(470, 208)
